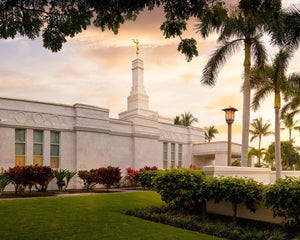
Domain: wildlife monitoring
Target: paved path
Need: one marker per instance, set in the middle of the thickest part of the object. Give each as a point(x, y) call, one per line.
point(111, 191)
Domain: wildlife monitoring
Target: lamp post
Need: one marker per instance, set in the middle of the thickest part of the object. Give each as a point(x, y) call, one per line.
point(229, 117)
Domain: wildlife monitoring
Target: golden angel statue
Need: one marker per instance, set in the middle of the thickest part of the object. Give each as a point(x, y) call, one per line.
point(136, 41)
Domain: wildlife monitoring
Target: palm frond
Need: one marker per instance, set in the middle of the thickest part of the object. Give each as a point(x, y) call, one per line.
point(260, 95)
point(291, 35)
point(228, 30)
point(259, 76)
point(259, 52)
point(253, 137)
point(280, 65)
point(218, 58)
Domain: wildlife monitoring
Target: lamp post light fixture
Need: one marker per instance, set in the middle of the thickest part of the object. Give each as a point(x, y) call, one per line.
point(229, 117)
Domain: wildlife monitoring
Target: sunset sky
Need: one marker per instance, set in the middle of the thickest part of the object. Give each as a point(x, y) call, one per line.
point(94, 68)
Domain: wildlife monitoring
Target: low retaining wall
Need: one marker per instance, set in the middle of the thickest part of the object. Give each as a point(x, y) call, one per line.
point(264, 175)
point(262, 213)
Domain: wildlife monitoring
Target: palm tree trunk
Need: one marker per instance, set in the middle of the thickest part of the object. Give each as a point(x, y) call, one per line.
point(277, 135)
point(259, 142)
point(290, 134)
point(246, 104)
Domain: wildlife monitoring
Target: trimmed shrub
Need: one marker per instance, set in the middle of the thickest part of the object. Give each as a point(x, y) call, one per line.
point(284, 198)
point(147, 178)
point(236, 191)
point(180, 187)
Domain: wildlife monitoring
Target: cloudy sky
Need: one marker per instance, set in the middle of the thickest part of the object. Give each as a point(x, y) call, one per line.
point(95, 68)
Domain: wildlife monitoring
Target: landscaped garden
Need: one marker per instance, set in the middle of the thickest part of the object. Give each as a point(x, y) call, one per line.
point(85, 217)
point(185, 192)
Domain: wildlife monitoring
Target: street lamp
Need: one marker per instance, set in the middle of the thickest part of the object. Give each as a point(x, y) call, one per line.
point(229, 117)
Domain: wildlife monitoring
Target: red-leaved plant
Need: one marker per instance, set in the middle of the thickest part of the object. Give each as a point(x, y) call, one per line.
point(132, 176)
point(30, 176)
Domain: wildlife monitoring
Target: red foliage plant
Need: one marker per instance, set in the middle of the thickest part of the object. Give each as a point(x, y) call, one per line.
point(132, 175)
point(88, 177)
point(43, 176)
point(146, 168)
point(16, 175)
point(29, 176)
point(194, 167)
point(107, 176)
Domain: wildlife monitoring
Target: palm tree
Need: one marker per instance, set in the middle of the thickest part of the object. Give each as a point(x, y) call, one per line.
point(177, 120)
point(187, 119)
point(210, 133)
point(244, 27)
point(290, 124)
point(293, 97)
point(259, 129)
point(273, 79)
point(269, 158)
point(288, 34)
point(258, 153)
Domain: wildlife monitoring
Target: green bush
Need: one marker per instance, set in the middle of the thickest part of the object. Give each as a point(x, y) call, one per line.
point(219, 226)
point(236, 191)
point(146, 178)
point(284, 198)
point(180, 187)
point(4, 181)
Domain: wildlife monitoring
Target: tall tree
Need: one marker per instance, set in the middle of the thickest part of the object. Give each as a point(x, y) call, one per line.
point(258, 153)
point(187, 119)
point(273, 79)
point(285, 29)
point(259, 129)
point(243, 27)
point(210, 133)
point(292, 107)
point(269, 158)
point(56, 20)
point(289, 154)
point(290, 124)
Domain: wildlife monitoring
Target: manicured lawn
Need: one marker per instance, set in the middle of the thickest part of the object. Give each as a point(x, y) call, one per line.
point(85, 217)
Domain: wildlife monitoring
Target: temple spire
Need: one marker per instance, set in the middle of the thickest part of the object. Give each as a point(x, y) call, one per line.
point(138, 98)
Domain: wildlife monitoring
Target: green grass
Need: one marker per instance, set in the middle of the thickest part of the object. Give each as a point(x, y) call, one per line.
point(85, 217)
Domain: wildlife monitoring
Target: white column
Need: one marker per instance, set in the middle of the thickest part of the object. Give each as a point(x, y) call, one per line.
point(169, 155)
point(46, 148)
point(29, 147)
point(176, 155)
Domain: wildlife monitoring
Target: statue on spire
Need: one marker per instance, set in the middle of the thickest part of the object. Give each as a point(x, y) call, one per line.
point(136, 41)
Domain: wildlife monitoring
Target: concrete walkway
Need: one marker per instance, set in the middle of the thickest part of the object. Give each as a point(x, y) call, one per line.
point(111, 191)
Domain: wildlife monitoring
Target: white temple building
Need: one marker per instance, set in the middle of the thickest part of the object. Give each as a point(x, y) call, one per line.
point(83, 137)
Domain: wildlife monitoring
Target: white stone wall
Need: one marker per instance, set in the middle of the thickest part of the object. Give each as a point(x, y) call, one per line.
point(7, 147)
point(90, 139)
